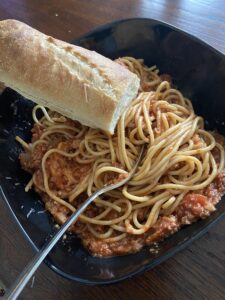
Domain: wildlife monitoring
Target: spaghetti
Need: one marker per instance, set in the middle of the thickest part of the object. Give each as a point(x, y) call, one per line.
point(70, 161)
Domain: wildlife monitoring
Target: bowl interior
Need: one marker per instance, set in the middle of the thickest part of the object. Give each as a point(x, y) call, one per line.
point(197, 70)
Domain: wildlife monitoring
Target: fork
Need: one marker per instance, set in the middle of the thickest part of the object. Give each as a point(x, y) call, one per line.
point(30, 269)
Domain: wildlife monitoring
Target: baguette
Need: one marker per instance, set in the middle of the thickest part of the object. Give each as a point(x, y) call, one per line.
point(78, 83)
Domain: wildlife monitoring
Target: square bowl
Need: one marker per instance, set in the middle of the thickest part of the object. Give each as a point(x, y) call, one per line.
point(199, 72)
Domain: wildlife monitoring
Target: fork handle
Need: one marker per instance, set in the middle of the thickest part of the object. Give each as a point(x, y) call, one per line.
point(30, 269)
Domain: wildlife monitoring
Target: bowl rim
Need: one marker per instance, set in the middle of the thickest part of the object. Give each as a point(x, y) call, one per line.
point(173, 250)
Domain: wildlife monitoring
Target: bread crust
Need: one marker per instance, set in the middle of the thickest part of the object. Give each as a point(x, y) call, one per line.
point(78, 83)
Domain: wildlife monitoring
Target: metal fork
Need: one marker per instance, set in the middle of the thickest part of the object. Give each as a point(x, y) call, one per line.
point(29, 270)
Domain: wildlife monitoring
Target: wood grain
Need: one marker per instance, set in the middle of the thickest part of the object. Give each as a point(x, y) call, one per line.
point(197, 272)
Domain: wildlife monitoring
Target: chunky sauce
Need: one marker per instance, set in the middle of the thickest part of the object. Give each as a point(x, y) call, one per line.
point(194, 206)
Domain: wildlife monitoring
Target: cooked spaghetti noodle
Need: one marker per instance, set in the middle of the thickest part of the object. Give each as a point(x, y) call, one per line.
point(70, 161)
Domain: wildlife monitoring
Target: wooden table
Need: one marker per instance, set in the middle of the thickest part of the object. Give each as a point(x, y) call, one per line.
point(197, 272)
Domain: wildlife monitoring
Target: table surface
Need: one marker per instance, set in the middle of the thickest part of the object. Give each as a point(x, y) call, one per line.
point(197, 272)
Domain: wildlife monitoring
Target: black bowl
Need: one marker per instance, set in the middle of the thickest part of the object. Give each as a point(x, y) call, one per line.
point(197, 69)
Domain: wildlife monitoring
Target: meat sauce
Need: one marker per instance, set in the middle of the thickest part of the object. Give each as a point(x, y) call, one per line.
point(61, 172)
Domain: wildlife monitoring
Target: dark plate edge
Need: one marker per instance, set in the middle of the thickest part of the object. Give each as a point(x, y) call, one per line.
point(115, 22)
